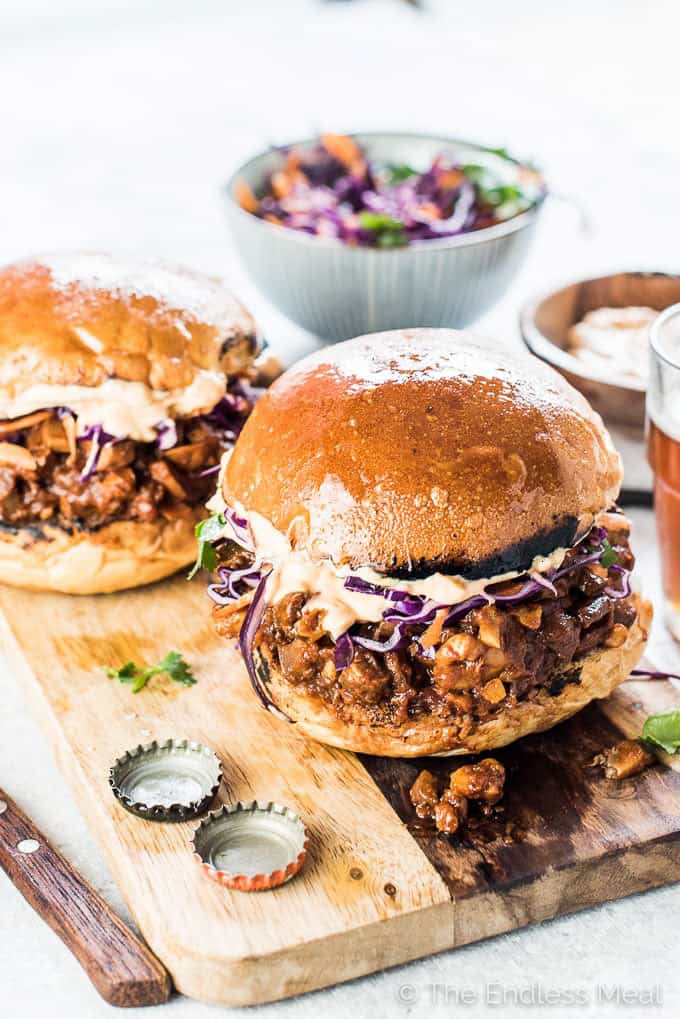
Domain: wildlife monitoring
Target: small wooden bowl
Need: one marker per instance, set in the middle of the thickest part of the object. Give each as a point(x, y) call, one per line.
point(545, 323)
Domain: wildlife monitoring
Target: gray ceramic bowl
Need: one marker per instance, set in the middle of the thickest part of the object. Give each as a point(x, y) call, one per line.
point(338, 291)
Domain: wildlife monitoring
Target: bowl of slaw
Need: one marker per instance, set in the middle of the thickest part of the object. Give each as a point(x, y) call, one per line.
point(357, 234)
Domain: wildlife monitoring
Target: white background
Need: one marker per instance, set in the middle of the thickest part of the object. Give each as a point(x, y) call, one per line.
point(119, 122)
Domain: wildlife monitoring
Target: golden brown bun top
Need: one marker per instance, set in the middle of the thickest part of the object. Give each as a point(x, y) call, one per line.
point(79, 319)
point(424, 449)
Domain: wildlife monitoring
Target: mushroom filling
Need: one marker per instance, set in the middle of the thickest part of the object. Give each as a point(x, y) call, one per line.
point(50, 474)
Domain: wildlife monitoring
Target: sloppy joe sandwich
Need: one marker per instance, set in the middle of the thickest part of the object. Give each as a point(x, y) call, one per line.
point(122, 382)
point(417, 544)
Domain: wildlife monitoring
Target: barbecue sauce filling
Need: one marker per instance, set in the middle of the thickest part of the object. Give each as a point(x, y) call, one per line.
point(487, 662)
point(42, 471)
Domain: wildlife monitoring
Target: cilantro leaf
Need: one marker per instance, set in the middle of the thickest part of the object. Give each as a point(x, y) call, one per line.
point(400, 171)
point(477, 174)
point(609, 556)
point(141, 679)
point(211, 528)
point(389, 233)
point(206, 559)
point(503, 153)
point(125, 673)
point(173, 665)
point(177, 669)
point(663, 731)
point(379, 221)
point(391, 239)
point(207, 532)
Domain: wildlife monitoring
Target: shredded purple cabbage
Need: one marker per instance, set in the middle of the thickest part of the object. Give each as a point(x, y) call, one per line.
point(167, 434)
point(246, 639)
point(428, 653)
point(544, 582)
point(407, 610)
point(99, 440)
point(233, 584)
point(331, 189)
point(461, 610)
point(228, 416)
point(215, 469)
point(399, 638)
point(343, 654)
point(625, 590)
point(239, 526)
point(225, 591)
point(644, 674)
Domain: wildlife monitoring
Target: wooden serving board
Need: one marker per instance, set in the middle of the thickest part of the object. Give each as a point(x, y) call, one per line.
point(378, 888)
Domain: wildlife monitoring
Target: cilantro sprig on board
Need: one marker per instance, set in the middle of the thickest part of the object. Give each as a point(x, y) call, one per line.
point(173, 665)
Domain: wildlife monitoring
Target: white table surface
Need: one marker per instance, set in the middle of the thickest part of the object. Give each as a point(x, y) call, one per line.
point(119, 122)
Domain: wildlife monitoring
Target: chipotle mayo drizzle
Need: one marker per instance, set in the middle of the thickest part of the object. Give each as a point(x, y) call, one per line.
point(126, 409)
point(292, 571)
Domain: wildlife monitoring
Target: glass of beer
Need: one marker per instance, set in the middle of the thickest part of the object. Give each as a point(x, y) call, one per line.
point(663, 450)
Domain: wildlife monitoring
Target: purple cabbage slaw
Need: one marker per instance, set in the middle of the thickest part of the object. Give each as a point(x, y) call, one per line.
point(405, 610)
point(232, 585)
point(227, 416)
point(409, 610)
point(246, 639)
point(99, 440)
point(332, 190)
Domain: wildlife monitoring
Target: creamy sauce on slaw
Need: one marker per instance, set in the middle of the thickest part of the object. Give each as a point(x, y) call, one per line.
point(125, 409)
point(292, 571)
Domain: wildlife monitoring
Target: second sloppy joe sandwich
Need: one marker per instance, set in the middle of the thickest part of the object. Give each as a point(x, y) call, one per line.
point(122, 382)
point(417, 543)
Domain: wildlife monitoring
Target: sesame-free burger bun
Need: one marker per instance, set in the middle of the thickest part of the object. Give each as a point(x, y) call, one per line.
point(420, 450)
point(120, 555)
point(81, 319)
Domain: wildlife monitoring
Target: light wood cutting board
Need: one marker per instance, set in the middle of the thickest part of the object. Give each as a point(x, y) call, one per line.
point(378, 887)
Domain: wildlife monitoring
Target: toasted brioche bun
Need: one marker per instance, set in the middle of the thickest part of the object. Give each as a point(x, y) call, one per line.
point(120, 555)
point(421, 450)
point(81, 319)
point(601, 672)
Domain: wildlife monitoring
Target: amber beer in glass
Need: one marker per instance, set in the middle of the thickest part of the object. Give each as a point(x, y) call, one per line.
point(663, 449)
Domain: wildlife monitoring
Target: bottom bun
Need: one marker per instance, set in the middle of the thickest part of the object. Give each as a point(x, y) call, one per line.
point(123, 554)
point(600, 673)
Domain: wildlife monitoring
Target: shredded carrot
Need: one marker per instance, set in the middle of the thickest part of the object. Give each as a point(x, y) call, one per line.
point(358, 168)
point(281, 183)
point(293, 160)
point(430, 210)
point(245, 197)
point(528, 176)
point(344, 149)
point(433, 634)
point(451, 179)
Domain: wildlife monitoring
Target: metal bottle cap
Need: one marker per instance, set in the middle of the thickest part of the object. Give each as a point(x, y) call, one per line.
point(251, 846)
point(175, 780)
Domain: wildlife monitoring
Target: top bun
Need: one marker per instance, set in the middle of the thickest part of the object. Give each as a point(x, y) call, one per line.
point(81, 319)
point(424, 450)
